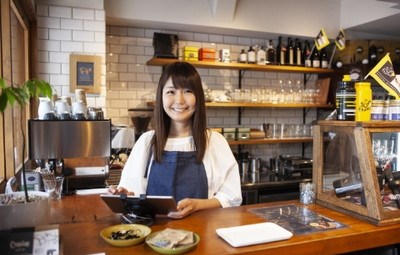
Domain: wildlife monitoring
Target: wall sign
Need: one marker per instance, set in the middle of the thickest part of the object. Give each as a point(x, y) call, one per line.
point(85, 73)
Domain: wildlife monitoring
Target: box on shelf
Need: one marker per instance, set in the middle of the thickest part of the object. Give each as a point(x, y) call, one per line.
point(229, 133)
point(242, 133)
point(355, 169)
point(225, 55)
point(206, 54)
point(190, 53)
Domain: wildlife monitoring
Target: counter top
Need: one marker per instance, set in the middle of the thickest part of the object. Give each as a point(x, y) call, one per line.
point(81, 219)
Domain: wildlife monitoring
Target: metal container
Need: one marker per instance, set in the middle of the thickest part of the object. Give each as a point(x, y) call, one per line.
point(95, 113)
point(255, 165)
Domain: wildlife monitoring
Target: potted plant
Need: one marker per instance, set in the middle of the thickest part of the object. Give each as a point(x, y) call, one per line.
point(22, 206)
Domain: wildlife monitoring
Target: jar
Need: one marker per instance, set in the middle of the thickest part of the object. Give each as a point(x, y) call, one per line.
point(394, 110)
point(345, 100)
point(363, 101)
point(377, 109)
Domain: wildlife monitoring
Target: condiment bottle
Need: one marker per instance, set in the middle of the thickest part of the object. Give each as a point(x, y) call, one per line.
point(345, 99)
point(243, 57)
point(363, 101)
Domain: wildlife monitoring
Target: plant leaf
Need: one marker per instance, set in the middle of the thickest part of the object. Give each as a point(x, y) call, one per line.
point(2, 83)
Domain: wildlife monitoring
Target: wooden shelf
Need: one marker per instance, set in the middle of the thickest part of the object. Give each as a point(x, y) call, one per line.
point(267, 105)
point(270, 141)
point(242, 66)
point(259, 105)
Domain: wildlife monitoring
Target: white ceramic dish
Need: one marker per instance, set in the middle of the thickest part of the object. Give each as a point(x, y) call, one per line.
point(253, 234)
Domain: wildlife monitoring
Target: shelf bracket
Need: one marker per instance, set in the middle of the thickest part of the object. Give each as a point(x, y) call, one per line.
point(241, 74)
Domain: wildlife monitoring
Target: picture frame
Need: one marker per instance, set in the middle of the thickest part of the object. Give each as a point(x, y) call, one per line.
point(85, 73)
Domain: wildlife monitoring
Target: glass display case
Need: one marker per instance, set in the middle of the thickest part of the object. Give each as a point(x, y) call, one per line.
point(355, 168)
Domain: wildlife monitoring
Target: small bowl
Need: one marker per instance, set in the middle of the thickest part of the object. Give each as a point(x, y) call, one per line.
point(178, 250)
point(106, 234)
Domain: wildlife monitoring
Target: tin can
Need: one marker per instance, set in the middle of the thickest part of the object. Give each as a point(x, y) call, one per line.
point(363, 101)
point(394, 110)
point(377, 109)
point(345, 100)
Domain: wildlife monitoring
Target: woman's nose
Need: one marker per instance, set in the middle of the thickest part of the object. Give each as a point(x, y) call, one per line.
point(179, 97)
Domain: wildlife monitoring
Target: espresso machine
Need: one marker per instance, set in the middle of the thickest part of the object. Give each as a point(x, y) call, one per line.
point(79, 150)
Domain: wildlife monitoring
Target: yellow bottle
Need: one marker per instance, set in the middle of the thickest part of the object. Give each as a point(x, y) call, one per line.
point(363, 101)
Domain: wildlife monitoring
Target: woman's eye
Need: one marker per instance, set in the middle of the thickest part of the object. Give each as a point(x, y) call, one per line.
point(188, 91)
point(169, 92)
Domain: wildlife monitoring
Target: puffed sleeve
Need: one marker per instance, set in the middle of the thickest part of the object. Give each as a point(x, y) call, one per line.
point(222, 171)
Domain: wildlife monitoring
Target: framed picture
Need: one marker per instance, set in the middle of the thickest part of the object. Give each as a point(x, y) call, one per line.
point(85, 73)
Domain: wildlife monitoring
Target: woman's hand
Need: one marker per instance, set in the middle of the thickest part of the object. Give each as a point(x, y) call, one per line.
point(188, 205)
point(120, 190)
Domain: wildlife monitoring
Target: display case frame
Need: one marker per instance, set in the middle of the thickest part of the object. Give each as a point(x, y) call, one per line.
point(371, 208)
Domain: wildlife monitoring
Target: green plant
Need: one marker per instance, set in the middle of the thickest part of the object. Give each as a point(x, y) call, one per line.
point(9, 95)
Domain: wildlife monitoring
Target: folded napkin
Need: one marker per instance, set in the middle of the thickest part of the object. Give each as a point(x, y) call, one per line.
point(172, 238)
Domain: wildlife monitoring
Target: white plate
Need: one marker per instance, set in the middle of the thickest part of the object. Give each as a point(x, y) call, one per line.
point(253, 234)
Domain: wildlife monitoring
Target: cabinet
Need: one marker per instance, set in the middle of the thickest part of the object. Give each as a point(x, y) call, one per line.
point(356, 168)
point(241, 67)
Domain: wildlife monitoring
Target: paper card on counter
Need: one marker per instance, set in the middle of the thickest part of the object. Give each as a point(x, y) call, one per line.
point(46, 240)
point(253, 234)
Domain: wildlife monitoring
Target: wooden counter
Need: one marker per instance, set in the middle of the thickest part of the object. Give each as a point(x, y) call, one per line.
point(81, 219)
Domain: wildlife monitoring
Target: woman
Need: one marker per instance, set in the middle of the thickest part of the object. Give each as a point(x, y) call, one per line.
point(181, 157)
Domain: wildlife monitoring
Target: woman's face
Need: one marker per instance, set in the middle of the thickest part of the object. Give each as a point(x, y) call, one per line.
point(179, 104)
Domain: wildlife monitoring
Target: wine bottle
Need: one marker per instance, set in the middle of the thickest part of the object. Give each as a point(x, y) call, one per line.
point(324, 58)
point(306, 54)
point(297, 52)
point(280, 52)
point(372, 55)
point(315, 59)
point(289, 52)
point(251, 56)
point(271, 53)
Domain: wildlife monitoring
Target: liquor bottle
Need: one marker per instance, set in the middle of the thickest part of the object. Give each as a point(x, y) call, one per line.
point(271, 53)
point(297, 52)
point(346, 99)
point(289, 52)
point(280, 52)
point(261, 56)
point(315, 59)
point(251, 56)
point(324, 58)
point(306, 54)
point(243, 57)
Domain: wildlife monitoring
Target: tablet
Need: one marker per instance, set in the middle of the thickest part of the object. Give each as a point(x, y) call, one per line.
point(159, 204)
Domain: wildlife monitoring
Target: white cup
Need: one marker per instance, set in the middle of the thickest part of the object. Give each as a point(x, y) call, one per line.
point(45, 106)
point(79, 107)
point(62, 107)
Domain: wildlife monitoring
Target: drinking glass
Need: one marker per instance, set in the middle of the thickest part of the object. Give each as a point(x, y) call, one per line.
point(54, 187)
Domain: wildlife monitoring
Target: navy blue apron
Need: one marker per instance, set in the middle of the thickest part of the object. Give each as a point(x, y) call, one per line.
point(178, 175)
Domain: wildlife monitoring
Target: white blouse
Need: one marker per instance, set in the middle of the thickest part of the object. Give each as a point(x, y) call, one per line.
point(220, 165)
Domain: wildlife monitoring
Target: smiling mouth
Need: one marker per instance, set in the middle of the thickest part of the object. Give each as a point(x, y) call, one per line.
point(179, 109)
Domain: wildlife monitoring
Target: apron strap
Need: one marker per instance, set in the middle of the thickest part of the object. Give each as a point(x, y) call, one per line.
point(148, 163)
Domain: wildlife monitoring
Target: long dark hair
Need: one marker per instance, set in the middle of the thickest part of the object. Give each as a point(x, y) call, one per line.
point(183, 75)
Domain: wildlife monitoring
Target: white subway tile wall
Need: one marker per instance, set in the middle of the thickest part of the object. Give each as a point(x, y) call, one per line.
point(127, 82)
point(130, 80)
point(67, 30)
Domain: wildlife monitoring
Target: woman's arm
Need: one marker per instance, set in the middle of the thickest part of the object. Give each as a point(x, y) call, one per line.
point(222, 172)
point(189, 205)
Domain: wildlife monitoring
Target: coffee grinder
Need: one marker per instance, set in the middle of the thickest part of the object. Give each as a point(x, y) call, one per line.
point(140, 119)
